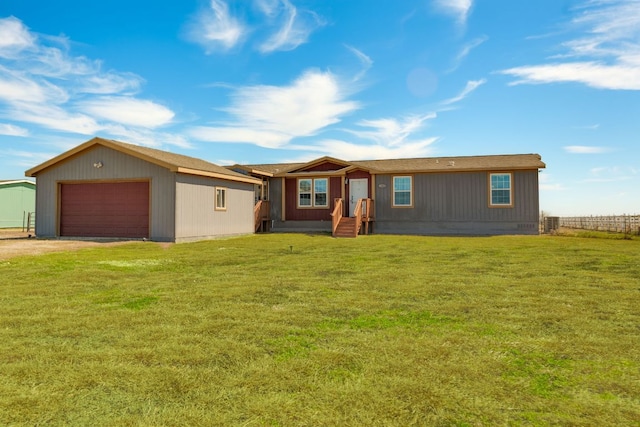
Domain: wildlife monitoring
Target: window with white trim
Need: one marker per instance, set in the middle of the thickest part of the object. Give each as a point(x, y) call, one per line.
point(313, 192)
point(320, 193)
point(221, 199)
point(402, 191)
point(501, 189)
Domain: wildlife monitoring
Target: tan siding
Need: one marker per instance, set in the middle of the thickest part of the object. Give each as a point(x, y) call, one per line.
point(196, 217)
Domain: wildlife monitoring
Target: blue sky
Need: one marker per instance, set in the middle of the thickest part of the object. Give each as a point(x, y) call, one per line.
point(268, 81)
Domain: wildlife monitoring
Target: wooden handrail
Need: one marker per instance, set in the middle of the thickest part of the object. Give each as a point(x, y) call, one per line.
point(367, 212)
point(261, 212)
point(336, 215)
point(357, 213)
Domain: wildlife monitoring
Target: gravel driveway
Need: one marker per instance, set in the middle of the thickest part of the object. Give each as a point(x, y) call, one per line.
point(16, 243)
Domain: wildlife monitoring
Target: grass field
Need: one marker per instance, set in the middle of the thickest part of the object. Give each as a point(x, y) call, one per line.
point(306, 330)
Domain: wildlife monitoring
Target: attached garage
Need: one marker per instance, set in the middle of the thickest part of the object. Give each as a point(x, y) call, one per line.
point(114, 209)
point(111, 189)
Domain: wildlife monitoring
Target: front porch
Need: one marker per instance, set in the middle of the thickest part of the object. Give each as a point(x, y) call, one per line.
point(360, 223)
point(340, 225)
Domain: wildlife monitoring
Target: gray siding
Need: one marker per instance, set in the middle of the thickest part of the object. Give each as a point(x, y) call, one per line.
point(276, 195)
point(196, 217)
point(116, 167)
point(457, 203)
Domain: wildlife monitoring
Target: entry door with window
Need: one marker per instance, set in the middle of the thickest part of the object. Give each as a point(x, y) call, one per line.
point(358, 189)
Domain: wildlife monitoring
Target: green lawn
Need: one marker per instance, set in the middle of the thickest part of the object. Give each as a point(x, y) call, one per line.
point(297, 330)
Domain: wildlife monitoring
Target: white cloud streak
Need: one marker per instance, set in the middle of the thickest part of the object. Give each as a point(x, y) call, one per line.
point(458, 9)
point(295, 27)
point(14, 37)
point(282, 26)
point(42, 84)
point(271, 116)
point(365, 60)
point(470, 87)
point(128, 111)
point(390, 132)
point(582, 149)
point(352, 151)
point(12, 130)
point(466, 50)
point(214, 28)
point(606, 55)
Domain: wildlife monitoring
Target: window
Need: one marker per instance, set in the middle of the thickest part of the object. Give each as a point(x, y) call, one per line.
point(221, 199)
point(500, 189)
point(402, 193)
point(320, 198)
point(313, 193)
point(304, 192)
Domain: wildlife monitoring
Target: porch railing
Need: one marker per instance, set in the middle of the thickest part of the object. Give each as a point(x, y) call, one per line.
point(261, 214)
point(336, 215)
point(357, 214)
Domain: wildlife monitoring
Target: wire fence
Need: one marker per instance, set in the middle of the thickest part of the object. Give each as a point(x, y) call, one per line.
point(627, 224)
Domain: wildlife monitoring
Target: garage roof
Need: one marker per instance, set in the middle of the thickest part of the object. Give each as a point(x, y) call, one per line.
point(172, 161)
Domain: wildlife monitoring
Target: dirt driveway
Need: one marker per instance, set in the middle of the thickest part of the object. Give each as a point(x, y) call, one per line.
point(16, 243)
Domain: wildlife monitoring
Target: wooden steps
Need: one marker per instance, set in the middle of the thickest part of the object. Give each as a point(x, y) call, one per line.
point(347, 227)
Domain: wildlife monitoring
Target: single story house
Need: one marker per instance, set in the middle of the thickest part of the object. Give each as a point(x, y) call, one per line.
point(473, 195)
point(17, 202)
point(107, 188)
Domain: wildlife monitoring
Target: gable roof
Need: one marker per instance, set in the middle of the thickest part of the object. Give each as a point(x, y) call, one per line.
point(414, 165)
point(266, 170)
point(17, 181)
point(171, 161)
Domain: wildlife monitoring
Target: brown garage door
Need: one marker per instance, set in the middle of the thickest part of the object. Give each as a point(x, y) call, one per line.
point(115, 209)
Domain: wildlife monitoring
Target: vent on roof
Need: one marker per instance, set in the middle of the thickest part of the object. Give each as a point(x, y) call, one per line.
point(451, 163)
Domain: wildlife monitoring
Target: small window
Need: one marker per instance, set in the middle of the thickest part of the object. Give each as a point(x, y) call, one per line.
point(221, 199)
point(501, 194)
point(304, 192)
point(402, 191)
point(320, 198)
point(313, 193)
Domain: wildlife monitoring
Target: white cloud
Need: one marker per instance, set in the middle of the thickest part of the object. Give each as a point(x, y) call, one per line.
point(582, 149)
point(215, 28)
point(458, 9)
point(45, 85)
point(392, 132)
point(14, 37)
point(352, 151)
point(110, 83)
point(19, 87)
point(466, 50)
point(609, 47)
point(365, 60)
point(12, 130)
point(273, 115)
point(612, 173)
point(470, 87)
point(54, 117)
point(279, 25)
point(295, 26)
point(596, 75)
point(128, 111)
point(147, 137)
point(237, 134)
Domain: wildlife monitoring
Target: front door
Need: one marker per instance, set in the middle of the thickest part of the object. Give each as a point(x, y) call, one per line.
point(358, 189)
